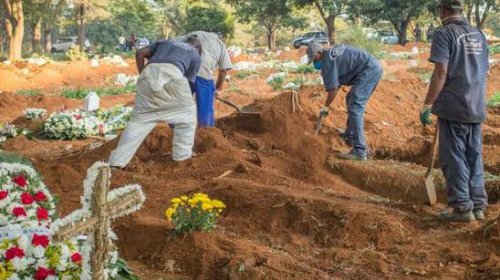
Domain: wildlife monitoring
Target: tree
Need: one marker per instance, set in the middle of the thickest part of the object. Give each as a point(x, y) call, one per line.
point(52, 11)
point(481, 10)
point(14, 26)
point(269, 13)
point(209, 19)
point(329, 11)
point(400, 13)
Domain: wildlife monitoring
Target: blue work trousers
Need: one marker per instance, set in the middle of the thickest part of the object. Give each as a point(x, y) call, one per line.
point(461, 159)
point(363, 87)
point(205, 98)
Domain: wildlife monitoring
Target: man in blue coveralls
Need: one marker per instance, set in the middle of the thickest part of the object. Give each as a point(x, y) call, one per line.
point(214, 56)
point(457, 97)
point(349, 66)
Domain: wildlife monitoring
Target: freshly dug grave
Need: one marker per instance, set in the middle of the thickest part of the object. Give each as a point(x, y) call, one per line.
point(287, 216)
point(399, 180)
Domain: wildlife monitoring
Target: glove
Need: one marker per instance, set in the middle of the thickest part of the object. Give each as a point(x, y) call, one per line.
point(425, 115)
point(324, 112)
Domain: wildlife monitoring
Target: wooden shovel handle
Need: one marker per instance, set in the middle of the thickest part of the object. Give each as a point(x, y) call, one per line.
point(227, 102)
point(434, 150)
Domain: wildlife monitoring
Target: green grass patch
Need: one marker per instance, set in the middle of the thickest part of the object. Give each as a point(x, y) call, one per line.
point(495, 100)
point(304, 69)
point(356, 37)
point(244, 74)
point(494, 49)
point(29, 92)
point(80, 93)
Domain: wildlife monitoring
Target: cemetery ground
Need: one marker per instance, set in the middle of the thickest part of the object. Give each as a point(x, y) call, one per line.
point(291, 211)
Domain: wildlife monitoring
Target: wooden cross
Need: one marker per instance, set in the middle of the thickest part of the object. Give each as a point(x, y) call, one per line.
point(97, 221)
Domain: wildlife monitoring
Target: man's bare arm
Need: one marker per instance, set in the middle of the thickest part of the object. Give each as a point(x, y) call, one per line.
point(220, 79)
point(140, 58)
point(437, 82)
point(331, 96)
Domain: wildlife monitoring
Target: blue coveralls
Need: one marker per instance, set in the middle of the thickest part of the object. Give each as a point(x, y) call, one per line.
point(461, 109)
point(346, 65)
point(205, 97)
point(356, 100)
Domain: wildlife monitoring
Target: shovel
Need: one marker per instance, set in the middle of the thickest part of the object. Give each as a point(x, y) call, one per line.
point(429, 178)
point(319, 125)
point(238, 109)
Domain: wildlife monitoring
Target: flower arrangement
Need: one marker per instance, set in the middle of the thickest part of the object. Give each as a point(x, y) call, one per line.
point(34, 113)
point(71, 125)
point(33, 256)
point(116, 118)
point(276, 80)
point(195, 213)
point(24, 197)
point(10, 131)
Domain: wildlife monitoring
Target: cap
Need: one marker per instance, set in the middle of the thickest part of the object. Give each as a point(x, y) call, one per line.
point(313, 49)
point(451, 4)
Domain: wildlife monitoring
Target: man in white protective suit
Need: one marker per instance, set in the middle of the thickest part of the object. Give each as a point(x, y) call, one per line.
point(164, 94)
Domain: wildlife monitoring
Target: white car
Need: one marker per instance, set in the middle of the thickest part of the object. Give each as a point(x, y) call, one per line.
point(386, 37)
point(65, 43)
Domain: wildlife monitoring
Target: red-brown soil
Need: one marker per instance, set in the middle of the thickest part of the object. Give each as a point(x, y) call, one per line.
point(288, 215)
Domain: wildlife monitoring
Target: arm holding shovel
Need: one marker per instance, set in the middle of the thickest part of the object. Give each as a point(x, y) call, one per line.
point(323, 113)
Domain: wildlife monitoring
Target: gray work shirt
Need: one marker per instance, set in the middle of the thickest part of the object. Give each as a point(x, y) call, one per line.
point(465, 50)
point(180, 54)
point(214, 54)
point(341, 64)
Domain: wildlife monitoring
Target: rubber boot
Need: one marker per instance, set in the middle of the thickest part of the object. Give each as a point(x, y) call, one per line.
point(457, 216)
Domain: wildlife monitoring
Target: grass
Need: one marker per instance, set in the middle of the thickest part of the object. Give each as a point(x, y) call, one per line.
point(494, 49)
point(243, 74)
point(356, 37)
point(495, 100)
point(29, 92)
point(80, 93)
point(304, 69)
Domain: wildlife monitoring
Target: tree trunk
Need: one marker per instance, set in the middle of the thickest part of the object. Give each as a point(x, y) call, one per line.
point(330, 27)
point(482, 20)
point(402, 28)
point(270, 39)
point(36, 36)
point(79, 17)
point(47, 40)
point(14, 25)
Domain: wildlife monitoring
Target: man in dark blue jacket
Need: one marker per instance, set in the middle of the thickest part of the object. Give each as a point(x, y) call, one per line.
point(457, 97)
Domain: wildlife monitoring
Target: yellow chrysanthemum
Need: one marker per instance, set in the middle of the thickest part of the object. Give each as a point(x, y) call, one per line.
point(170, 211)
point(184, 198)
point(207, 206)
point(176, 201)
point(218, 204)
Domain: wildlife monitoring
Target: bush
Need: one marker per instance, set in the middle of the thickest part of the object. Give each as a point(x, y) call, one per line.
point(75, 54)
point(194, 213)
point(357, 38)
point(494, 49)
point(495, 100)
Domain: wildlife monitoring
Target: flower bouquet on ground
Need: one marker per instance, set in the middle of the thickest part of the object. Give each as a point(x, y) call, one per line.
point(34, 113)
point(195, 213)
point(73, 125)
point(24, 197)
point(10, 131)
point(115, 118)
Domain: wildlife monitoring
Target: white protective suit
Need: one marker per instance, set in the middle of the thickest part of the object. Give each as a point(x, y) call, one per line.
point(163, 94)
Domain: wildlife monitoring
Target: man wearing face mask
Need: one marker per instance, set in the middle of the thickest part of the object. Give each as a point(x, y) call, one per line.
point(348, 66)
point(456, 96)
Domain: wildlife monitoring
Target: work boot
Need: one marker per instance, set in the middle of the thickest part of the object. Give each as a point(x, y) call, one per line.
point(479, 214)
point(351, 156)
point(457, 216)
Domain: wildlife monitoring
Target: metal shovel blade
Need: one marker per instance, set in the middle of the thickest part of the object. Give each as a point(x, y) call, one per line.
point(430, 189)
point(241, 111)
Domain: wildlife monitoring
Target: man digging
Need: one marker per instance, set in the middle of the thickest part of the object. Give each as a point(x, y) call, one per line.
point(163, 94)
point(349, 66)
point(214, 56)
point(457, 97)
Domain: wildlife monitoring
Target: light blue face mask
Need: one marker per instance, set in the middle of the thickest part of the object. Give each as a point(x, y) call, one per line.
point(317, 64)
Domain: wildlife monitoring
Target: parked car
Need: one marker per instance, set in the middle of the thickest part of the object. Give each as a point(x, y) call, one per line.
point(386, 37)
point(369, 32)
point(309, 37)
point(65, 43)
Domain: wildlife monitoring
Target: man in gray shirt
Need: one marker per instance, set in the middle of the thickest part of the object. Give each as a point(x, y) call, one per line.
point(163, 95)
point(214, 56)
point(457, 97)
point(349, 66)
